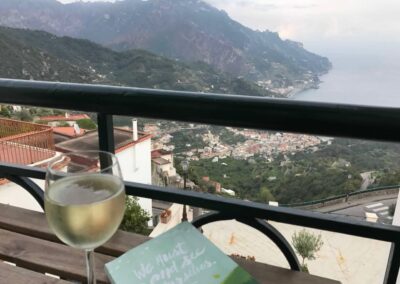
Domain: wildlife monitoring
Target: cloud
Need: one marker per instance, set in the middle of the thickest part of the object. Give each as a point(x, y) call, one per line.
point(319, 22)
point(308, 6)
point(257, 5)
point(71, 1)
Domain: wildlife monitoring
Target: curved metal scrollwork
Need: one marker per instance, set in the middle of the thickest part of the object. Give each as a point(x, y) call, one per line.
point(267, 229)
point(264, 227)
point(29, 186)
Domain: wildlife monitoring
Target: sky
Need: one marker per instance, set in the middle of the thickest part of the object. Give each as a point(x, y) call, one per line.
point(360, 37)
point(318, 24)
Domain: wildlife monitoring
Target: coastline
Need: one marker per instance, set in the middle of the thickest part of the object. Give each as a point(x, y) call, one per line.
point(298, 90)
point(309, 86)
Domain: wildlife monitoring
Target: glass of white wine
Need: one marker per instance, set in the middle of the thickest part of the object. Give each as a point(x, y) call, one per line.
point(84, 200)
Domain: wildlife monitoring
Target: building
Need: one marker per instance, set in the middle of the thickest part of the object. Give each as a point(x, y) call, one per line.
point(70, 119)
point(34, 144)
point(163, 162)
point(63, 133)
point(27, 144)
point(216, 185)
point(133, 150)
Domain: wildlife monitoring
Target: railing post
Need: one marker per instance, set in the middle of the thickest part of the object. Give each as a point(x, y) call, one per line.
point(106, 136)
point(106, 132)
point(392, 269)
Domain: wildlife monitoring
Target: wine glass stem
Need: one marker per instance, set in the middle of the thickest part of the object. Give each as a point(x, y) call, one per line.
point(91, 277)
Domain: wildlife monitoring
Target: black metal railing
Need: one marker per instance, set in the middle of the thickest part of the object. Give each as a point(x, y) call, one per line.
point(363, 192)
point(372, 123)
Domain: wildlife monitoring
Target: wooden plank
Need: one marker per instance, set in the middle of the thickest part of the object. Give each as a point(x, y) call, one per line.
point(268, 274)
point(45, 256)
point(12, 274)
point(33, 223)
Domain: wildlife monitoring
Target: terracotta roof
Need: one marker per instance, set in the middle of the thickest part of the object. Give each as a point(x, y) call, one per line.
point(23, 154)
point(72, 117)
point(68, 131)
point(159, 153)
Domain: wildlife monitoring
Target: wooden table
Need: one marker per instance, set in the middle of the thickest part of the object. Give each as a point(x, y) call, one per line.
point(26, 240)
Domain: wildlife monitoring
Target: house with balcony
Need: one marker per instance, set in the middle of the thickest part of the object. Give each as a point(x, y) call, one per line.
point(32, 144)
point(26, 144)
point(163, 164)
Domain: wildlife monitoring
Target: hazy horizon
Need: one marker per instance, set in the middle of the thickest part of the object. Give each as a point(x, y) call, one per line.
point(320, 25)
point(360, 38)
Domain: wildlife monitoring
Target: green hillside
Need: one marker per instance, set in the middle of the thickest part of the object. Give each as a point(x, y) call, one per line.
point(38, 55)
point(22, 61)
point(188, 30)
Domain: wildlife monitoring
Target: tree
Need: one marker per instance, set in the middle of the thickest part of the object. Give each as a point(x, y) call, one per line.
point(211, 189)
point(24, 115)
point(306, 245)
point(135, 219)
point(86, 123)
point(4, 111)
point(265, 195)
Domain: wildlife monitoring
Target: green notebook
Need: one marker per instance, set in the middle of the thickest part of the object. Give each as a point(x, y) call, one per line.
point(179, 256)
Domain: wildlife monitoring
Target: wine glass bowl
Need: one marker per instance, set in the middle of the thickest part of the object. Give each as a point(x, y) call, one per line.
point(84, 199)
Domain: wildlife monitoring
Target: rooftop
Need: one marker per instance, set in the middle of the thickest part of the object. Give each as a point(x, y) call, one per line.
point(160, 161)
point(69, 131)
point(25, 143)
point(66, 117)
point(90, 141)
point(159, 152)
point(15, 153)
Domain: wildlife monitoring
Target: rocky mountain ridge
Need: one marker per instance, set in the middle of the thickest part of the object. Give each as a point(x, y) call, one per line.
point(188, 30)
point(38, 55)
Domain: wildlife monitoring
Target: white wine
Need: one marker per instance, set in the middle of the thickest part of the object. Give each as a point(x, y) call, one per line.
point(85, 211)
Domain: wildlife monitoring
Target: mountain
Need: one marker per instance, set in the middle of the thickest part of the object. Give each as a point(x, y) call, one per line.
point(189, 30)
point(24, 61)
point(39, 55)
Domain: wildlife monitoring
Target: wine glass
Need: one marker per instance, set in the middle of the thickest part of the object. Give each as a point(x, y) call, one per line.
point(84, 200)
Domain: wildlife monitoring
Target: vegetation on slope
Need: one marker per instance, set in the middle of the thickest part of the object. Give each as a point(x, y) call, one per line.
point(38, 55)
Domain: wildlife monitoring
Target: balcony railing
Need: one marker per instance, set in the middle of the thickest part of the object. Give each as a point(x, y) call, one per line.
point(25, 143)
point(9, 128)
point(372, 123)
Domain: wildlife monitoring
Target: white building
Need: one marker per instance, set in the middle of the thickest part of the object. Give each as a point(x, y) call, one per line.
point(34, 146)
point(163, 162)
point(133, 150)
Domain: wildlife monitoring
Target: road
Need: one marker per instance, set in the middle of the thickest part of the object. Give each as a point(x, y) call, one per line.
point(378, 205)
point(367, 179)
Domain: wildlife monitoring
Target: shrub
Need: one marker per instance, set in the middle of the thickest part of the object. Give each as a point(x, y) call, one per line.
point(86, 123)
point(135, 219)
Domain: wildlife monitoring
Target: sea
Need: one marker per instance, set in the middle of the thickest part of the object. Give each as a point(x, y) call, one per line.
point(360, 77)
